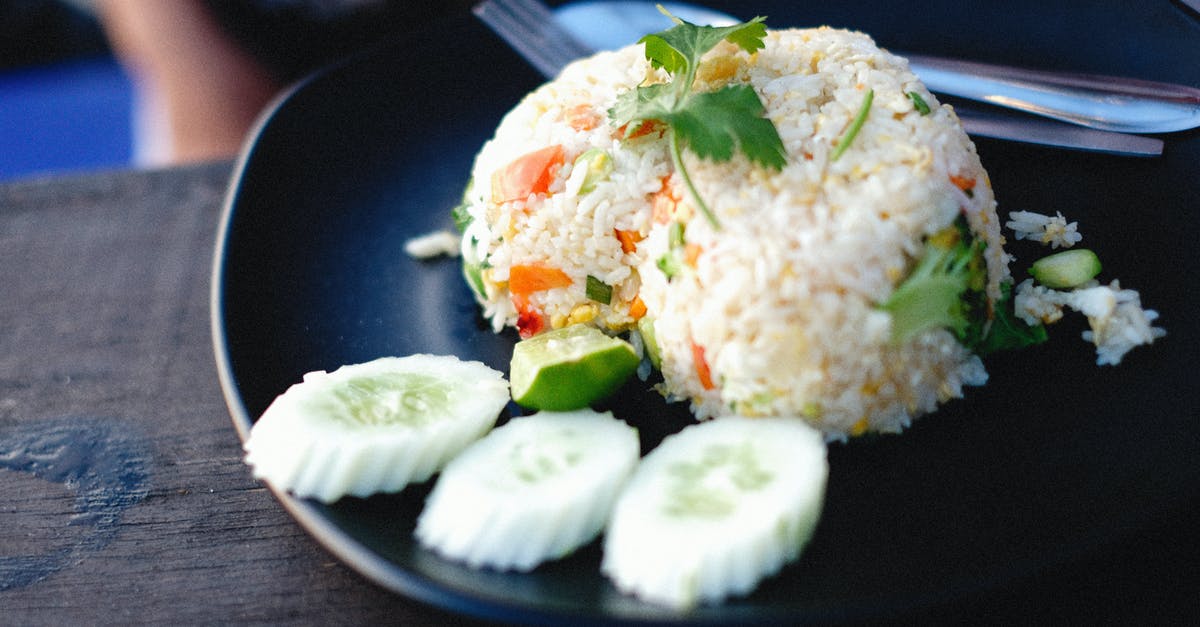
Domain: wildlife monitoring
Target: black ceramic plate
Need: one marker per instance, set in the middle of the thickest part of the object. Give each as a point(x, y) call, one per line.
point(1037, 481)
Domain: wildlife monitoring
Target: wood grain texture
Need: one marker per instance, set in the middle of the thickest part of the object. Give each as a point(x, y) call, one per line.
point(105, 297)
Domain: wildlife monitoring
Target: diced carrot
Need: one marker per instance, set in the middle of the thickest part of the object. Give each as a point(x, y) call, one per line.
point(962, 182)
point(582, 117)
point(628, 239)
point(691, 252)
point(527, 279)
point(637, 308)
point(663, 203)
point(528, 174)
point(702, 370)
point(643, 129)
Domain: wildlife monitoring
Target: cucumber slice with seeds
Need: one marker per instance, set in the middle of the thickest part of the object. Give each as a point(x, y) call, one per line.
point(375, 426)
point(534, 489)
point(715, 508)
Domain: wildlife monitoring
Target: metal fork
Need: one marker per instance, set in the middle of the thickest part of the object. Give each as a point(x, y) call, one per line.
point(530, 28)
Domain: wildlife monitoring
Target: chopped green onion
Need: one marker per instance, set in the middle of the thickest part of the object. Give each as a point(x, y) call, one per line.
point(855, 126)
point(598, 290)
point(669, 265)
point(919, 103)
point(599, 165)
point(461, 213)
point(675, 235)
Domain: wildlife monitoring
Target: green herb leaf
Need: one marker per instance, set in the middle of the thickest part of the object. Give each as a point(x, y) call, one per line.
point(855, 126)
point(680, 47)
point(1007, 331)
point(598, 290)
point(919, 103)
point(713, 124)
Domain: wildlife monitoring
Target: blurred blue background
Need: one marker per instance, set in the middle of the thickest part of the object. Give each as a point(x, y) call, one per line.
point(65, 102)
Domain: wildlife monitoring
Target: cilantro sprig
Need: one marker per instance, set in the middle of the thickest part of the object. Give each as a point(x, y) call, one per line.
point(710, 124)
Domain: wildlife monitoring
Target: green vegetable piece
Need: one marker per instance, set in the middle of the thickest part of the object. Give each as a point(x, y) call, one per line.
point(645, 326)
point(671, 262)
point(461, 212)
point(569, 368)
point(844, 141)
point(473, 273)
point(929, 298)
point(711, 124)
point(919, 103)
point(946, 289)
point(675, 238)
point(598, 290)
point(669, 265)
point(932, 294)
point(1067, 269)
point(1006, 331)
point(599, 165)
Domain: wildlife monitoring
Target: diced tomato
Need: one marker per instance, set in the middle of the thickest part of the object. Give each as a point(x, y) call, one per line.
point(528, 174)
point(530, 322)
point(628, 239)
point(702, 369)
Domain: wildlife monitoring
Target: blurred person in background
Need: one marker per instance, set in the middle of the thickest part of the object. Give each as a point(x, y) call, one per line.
point(203, 70)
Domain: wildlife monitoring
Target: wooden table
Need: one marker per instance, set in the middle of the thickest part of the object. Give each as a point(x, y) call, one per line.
point(123, 498)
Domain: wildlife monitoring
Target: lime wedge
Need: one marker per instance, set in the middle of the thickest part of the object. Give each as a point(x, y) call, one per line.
point(569, 368)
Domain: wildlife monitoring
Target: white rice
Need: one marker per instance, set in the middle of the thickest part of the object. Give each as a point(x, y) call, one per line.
point(783, 300)
point(434, 244)
point(1054, 230)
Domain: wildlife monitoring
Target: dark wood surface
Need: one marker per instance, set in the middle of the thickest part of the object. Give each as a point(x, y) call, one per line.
point(123, 498)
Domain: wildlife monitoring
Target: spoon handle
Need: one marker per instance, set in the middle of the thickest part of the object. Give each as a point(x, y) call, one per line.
point(1102, 102)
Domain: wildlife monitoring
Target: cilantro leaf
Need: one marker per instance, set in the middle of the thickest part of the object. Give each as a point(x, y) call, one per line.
point(713, 124)
point(649, 102)
point(680, 47)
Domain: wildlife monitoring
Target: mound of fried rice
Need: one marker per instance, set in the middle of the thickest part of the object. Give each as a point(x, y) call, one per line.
point(777, 312)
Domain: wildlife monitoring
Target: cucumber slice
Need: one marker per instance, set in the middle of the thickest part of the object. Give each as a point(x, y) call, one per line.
point(532, 490)
point(569, 368)
point(373, 427)
point(716, 508)
point(1067, 269)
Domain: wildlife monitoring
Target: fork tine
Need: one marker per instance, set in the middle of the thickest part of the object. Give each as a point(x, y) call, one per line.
point(530, 28)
